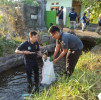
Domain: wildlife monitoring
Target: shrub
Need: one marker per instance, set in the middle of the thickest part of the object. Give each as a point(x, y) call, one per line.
point(98, 41)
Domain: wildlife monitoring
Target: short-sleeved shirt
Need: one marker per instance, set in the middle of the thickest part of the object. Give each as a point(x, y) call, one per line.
point(30, 58)
point(73, 16)
point(70, 41)
point(84, 19)
point(61, 15)
point(99, 21)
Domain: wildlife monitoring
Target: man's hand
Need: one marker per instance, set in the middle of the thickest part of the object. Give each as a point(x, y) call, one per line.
point(55, 60)
point(39, 53)
point(22, 52)
point(60, 56)
point(53, 57)
point(26, 52)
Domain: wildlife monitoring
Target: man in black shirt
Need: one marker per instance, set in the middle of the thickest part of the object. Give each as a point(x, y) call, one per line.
point(60, 15)
point(30, 49)
point(72, 18)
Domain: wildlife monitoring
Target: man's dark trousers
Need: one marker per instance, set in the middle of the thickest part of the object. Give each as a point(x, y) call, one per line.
point(32, 67)
point(71, 60)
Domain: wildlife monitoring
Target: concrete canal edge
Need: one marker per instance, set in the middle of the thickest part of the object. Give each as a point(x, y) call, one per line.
point(15, 60)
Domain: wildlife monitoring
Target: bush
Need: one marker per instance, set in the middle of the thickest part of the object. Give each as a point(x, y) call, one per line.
point(31, 2)
point(8, 46)
point(98, 41)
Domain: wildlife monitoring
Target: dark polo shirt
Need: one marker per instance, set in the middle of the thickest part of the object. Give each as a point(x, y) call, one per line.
point(70, 41)
point(61, 15)
point(73, 16)
point(27, 46)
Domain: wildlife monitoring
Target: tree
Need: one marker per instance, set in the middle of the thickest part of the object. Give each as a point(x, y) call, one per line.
point(94, 7)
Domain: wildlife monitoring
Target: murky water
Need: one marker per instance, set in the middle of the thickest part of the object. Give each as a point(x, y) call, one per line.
point(13, 82)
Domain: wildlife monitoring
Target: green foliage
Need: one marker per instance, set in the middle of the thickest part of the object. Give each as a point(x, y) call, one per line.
point(8, 46)
point(18, 40)
point(31, 2)
point(45, 43)
point(98, 41)
point(95, 9)
point(0, 19)
point(6, 2)
point(88, 3)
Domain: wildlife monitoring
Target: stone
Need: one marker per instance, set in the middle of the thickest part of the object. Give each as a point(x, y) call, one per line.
point(52, 40)
point(96, 49)
point(45, 38)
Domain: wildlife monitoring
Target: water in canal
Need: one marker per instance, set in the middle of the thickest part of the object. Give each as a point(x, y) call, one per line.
point(13, 83)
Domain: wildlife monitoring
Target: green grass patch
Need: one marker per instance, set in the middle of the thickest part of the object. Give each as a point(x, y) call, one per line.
point(45, 43)
point(84, 84)
point(98, 41)
point(8, 46)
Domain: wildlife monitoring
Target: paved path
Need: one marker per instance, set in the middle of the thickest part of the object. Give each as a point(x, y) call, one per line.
point(85, 33)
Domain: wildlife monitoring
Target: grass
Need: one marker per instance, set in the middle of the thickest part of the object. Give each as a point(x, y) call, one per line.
point(98, 41)
point(9, 46)
point(84, 84)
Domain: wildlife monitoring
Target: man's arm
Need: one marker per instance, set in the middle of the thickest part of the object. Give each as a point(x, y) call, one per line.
point(56, 50)
point(22, 52)
point(60, 13)
point(39, 53)
point(69, 17)
point(19, 52)
point(61, 55)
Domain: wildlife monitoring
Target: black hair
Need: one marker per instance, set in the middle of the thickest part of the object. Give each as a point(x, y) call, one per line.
point(51, 24)
point(53, 29)
point(32, 33)
point(72, 9)
point(62, 7)
point(84, 14)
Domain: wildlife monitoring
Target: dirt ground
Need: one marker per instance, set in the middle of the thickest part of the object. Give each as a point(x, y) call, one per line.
point(85, 33)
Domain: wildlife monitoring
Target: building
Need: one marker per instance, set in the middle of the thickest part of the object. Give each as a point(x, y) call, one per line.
point(52, 7)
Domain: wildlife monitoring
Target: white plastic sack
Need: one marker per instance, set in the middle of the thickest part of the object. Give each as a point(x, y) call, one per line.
point(99, 96)
point(48, 75)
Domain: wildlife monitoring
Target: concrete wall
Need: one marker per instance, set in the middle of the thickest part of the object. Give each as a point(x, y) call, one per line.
point(65, 3)
point(29, 11)
point(42, 13)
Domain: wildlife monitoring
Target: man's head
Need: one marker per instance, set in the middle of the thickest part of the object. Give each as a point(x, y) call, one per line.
point(73, 9)
point(62, 7)
point(33, 36)
point(84, 14)
point(54, 32)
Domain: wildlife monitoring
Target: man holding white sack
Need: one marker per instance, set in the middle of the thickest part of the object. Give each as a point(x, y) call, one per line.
point(71, 45)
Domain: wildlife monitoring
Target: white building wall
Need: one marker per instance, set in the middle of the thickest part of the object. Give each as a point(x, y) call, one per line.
point(65, 3)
